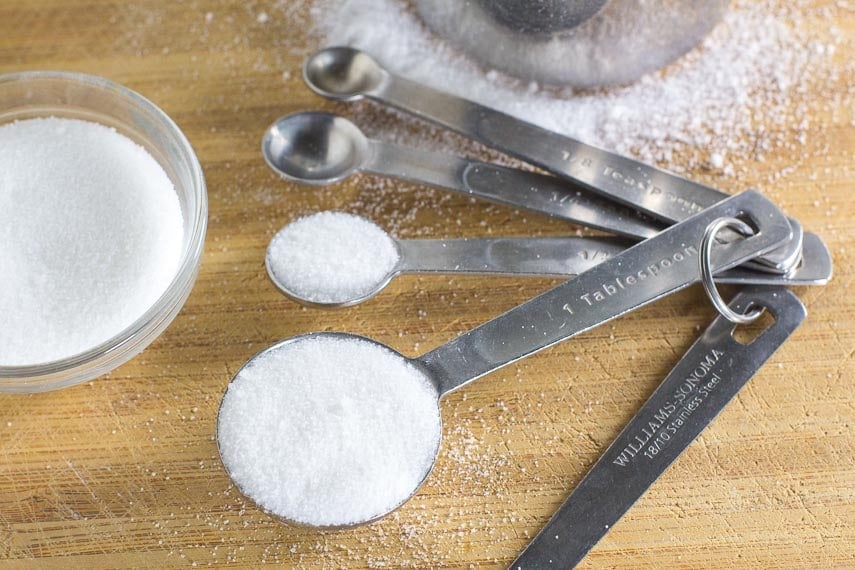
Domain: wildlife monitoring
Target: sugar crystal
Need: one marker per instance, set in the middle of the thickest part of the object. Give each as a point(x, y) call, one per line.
point(90, 237)
point(329, 430)
point(331, 257)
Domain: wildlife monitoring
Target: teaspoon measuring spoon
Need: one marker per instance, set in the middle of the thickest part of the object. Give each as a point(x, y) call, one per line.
point(634, 278)
point(319, 148)
point(537, 257)
point(348, 74)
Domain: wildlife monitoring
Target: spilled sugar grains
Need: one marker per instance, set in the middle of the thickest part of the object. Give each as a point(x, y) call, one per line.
point(90, 237)
point(329, 430)
point(699, 112)
point(478, 468)
point(331, 257)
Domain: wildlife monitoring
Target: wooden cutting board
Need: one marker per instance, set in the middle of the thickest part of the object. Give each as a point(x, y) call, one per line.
point(123, 471)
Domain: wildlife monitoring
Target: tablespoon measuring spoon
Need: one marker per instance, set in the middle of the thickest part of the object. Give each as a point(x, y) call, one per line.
point(520, 256)
point(348, 74)
point(319, 148)
point(636, 277)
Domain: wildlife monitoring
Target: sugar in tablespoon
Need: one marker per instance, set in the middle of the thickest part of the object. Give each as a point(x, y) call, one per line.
point(329, 431)
point(250, 435)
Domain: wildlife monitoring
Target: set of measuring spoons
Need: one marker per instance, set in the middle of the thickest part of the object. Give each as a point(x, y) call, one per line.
point(587, 186)
point(674, 233)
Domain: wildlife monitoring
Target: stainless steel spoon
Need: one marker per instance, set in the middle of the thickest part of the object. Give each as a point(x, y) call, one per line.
point(640, 275)
point(348, 74)
point(316, 147)
point(319, 148)
point(537, 257)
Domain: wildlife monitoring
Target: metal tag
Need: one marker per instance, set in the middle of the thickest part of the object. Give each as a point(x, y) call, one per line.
point(708, 376)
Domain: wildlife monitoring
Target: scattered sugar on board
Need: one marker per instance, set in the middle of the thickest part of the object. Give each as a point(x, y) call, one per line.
point(422, 535)
point(749, 71)
point(90, 237)
point(329, 431)
point(472, 494)
point(783, 138)
point(331, 257)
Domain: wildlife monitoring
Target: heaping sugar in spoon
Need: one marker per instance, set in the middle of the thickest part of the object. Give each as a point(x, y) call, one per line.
point(329, 431)
point(331, 257)
point(90, 237)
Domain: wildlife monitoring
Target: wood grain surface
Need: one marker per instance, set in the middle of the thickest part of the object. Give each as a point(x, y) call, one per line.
point(123, 471)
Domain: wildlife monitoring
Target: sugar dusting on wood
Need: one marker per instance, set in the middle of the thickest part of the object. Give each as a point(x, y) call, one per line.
point(227, 60)
point(749, 71)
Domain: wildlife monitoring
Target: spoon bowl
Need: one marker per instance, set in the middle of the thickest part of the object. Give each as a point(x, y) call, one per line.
point(226, 453)
point(298, 297)
point(332, 259)
point(314, 147)
point(343, 73)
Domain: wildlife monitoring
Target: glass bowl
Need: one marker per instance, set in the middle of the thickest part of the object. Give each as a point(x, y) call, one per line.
point(73, 95)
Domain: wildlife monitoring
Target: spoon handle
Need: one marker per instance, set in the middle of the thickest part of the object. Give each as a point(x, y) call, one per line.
point(543, 194)
point(661, 194)
point(569, 256)
point(547, 256)
point(510, 186)
point(656, 192)
point(640, 275)
point(814, 268)
point(702, 383)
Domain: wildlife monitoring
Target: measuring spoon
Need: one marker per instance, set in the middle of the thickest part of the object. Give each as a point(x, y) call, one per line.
point(525, 256)
point(702, 383)
point(315, 147)
point(636, 277)
point(348, 74)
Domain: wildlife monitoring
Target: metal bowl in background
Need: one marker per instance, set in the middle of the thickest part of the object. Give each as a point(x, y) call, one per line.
point(580, 43)
point(541, 16)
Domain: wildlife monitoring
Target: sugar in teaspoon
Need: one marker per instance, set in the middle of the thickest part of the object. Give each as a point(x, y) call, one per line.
point(521, 256)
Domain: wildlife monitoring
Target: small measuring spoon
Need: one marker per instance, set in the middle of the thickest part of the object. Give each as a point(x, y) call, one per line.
point(640, 275)
point(318, 148)
point(339, 285)
point(348, 74)
point(521, 256)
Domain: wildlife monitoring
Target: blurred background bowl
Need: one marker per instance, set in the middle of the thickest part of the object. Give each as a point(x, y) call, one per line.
point(579, 43)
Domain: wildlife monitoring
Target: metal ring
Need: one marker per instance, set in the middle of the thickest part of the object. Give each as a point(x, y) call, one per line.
point(706, 270)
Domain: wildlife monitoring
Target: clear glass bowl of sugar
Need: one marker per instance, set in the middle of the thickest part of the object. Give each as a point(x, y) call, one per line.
point(57, 96)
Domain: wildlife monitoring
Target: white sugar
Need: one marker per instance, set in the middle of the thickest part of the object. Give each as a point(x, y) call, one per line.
point(328, 430)
point(90, 237)
point(746, 73)
point(331, 257)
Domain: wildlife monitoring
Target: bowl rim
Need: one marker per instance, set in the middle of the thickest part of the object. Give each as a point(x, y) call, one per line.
point(110, 353)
